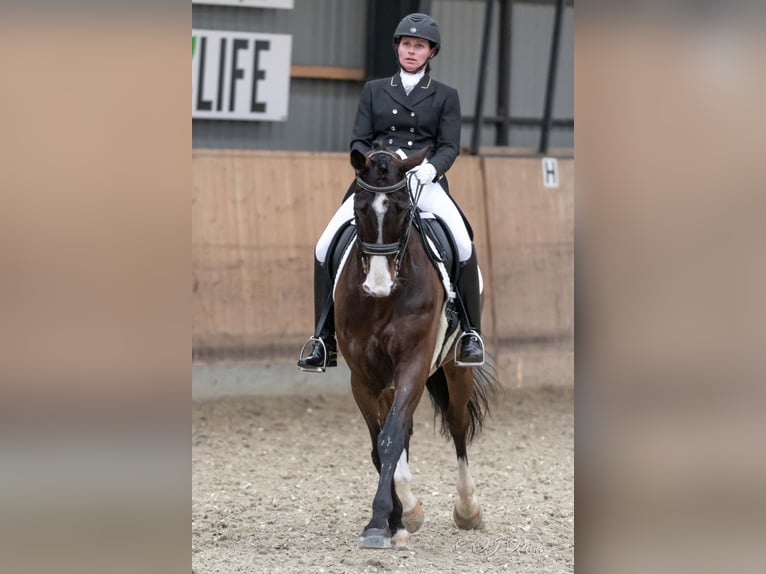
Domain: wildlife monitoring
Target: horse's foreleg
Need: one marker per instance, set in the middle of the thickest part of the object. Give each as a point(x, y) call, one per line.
point(370, 406)
point(396, 518)
point(386, 509)
point(375, 407)
point(467, 511)
point(412, 509)
point(389, 447)
point(407, 508)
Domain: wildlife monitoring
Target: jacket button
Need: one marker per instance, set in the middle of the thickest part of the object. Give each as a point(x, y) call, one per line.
point(390, 141)
point(395, 111)
point(409, 143)
point(411, 113)
point(412, 130)
point(393, 128)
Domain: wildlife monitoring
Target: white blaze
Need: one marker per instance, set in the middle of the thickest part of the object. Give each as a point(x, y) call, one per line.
point(379, 281)
point(380, 205)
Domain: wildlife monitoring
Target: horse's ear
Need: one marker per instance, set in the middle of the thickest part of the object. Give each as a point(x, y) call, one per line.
point(358, 160)
point(415, 159)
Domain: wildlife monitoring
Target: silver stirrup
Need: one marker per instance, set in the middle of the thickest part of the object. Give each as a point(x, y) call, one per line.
point(457, 347)
point(321, 369)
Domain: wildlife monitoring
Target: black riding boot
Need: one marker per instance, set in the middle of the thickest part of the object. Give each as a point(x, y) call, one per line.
point(324, 350)
point(470, 346)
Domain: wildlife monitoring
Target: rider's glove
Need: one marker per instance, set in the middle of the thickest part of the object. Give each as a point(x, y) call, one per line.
point(425, 173)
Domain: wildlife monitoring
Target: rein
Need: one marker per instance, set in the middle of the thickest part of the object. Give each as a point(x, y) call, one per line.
point(397, 248)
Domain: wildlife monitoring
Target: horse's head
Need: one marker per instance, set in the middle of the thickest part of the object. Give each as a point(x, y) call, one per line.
point(382, 209)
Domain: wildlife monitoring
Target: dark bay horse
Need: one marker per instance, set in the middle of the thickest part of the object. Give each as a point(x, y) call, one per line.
point(390, 321)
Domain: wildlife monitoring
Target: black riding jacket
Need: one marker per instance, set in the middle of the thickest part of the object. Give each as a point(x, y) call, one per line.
point(429, 115)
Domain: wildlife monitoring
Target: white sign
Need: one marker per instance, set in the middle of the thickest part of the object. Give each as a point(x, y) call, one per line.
point(240, 75)
point(284, 4)
point(550, 172)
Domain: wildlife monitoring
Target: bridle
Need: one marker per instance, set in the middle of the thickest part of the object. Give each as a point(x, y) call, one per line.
point(396, 248)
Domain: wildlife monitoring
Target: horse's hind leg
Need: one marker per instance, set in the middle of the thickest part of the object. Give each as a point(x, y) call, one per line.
point(467, 511)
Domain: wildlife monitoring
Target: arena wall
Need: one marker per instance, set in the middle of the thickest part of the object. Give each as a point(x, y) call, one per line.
point(256, 216)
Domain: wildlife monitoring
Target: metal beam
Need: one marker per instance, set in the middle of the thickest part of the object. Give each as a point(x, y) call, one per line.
point(475, 135)
point(524, 122)
point(551, 84)
point(504, 71)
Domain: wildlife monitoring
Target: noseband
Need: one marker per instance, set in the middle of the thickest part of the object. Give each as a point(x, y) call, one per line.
point(397, 248)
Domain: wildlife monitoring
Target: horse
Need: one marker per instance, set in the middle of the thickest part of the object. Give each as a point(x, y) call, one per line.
point(390, 306)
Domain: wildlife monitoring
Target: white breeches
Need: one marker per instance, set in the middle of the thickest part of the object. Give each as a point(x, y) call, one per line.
point(344, 213)
point(433, 198)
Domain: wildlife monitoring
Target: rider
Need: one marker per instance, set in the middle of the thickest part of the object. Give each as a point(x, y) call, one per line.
point(408, 111)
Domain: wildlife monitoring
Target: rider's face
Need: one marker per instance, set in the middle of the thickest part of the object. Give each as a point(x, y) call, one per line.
point(413, 52)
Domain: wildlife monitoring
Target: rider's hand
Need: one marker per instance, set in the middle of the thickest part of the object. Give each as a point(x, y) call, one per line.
point(425, 173)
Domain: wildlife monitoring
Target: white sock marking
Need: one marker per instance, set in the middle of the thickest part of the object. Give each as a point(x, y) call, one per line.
point(465, 485)
point(466, 504)
point(402, 479)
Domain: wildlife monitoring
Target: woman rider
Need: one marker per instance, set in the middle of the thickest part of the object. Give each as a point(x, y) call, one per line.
point(408, 111)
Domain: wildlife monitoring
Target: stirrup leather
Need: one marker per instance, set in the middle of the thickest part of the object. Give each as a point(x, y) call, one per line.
point(301, 356)
point(460, 363)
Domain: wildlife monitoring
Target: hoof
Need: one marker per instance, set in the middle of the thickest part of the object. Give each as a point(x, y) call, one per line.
point(375, 538)
point(474, 522)
point(401, 540)
point(413, 519)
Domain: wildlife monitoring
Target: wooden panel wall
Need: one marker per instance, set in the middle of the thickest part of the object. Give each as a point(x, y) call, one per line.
point(256, 216)
point(532, 249)
point(467, 187)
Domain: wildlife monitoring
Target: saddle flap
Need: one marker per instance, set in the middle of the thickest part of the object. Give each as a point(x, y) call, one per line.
point(340, 243)
point(433, 228)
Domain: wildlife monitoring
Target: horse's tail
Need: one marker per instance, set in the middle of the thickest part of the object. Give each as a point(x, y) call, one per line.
point(485, 389)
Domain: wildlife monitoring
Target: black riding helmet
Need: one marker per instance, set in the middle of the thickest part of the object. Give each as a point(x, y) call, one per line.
point(419, 26)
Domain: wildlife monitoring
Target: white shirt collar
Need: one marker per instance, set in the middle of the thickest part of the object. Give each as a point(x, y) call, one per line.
point(409, 81)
